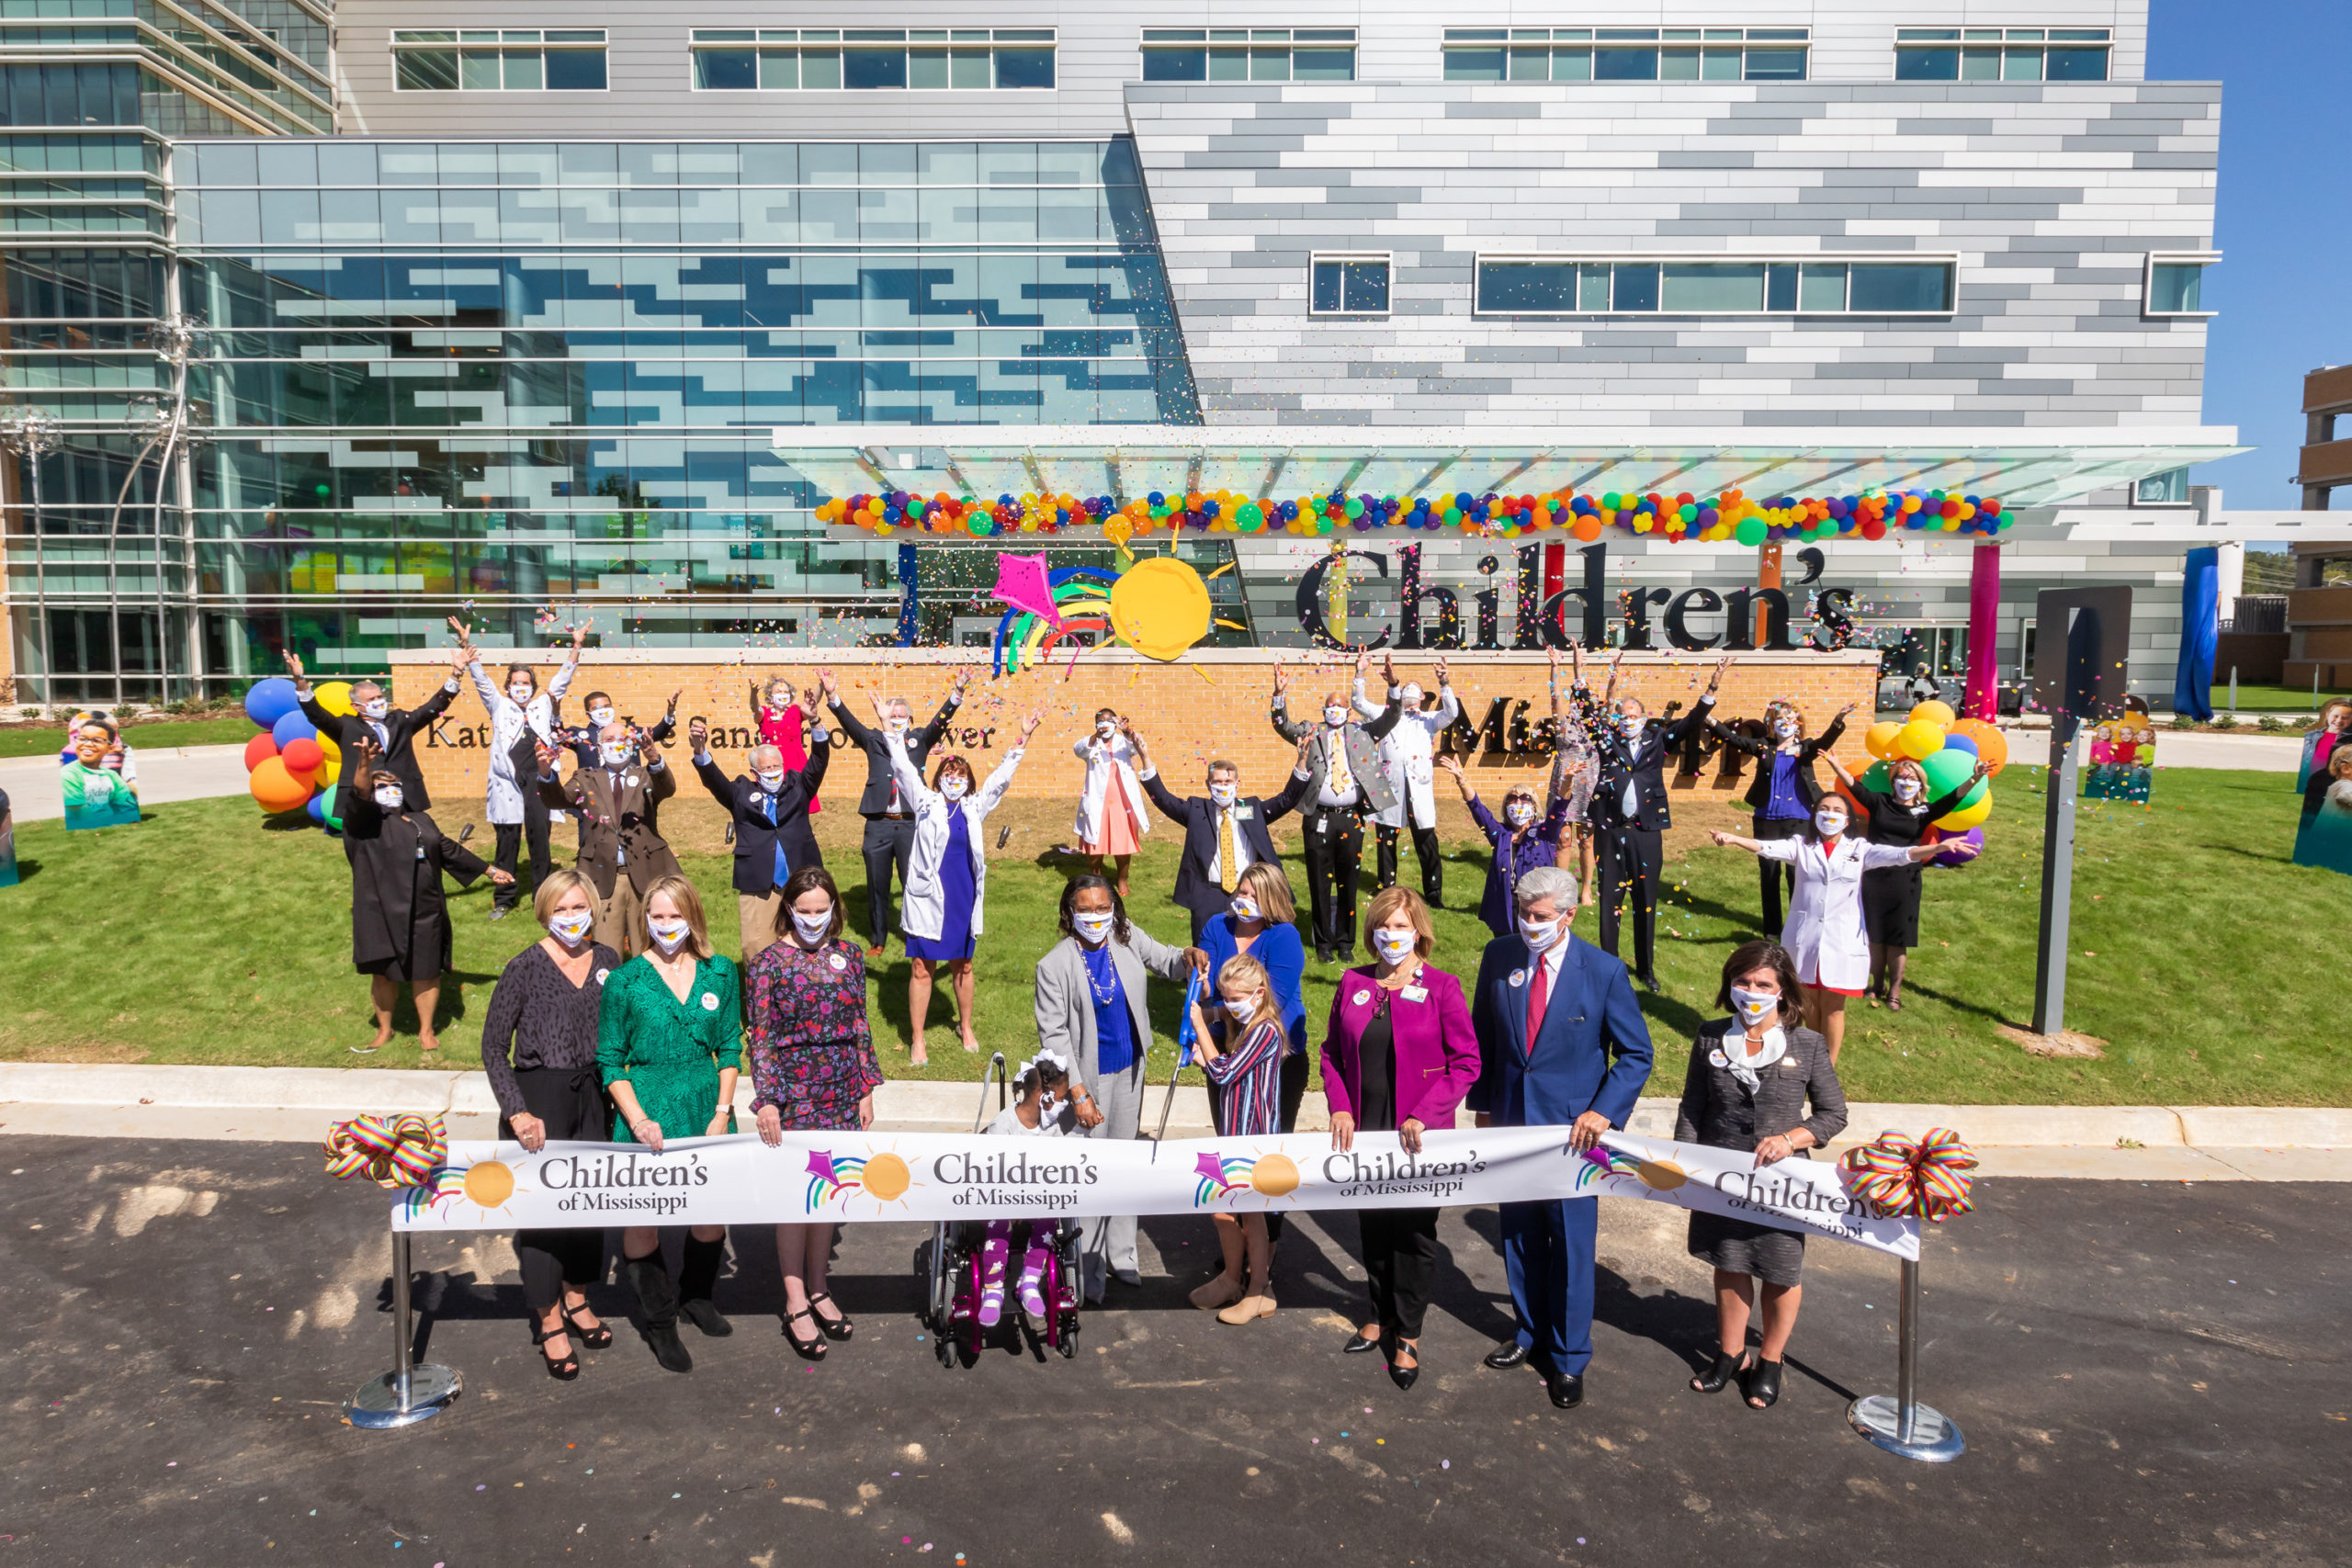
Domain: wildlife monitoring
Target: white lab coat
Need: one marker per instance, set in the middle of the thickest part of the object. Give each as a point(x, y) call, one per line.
point(1823, 932)
point(1107, 761)
point(922, 911)
point(1407, 754)
point(504, 793)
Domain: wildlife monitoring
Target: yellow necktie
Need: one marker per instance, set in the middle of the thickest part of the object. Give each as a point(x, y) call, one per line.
point(1229, 854)
point(1337, 775)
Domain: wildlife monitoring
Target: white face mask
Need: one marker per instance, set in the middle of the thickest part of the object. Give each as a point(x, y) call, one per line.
point(1223, 795)
point(1334, 716)
point(599, 716)
point(1756, 1008)
point(780, 698)
point(1411, 695)
point(389, 797)
point(1539, 935)
point(668, 935)
point(375, 707)
point(1906, 790)
point(1244, 907)
point(1518, 813)
point(571, 927)
point(770, 782)
point(1631, 723)
point(519, 692)
point(1104, 728)
point(812, 927)
point(955, 786)
point(1245, 1008)
point(1829, 824)
point(1785, 729)
point(1393, 946)
point(616, 752)
point(898, 724)
point(1092, 929)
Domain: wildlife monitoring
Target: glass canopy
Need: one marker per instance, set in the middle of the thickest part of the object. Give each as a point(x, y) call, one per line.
point(2023, 467)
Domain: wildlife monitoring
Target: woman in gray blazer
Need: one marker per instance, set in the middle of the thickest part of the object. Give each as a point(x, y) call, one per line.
point(1091, 1010)
point(1750, 1076)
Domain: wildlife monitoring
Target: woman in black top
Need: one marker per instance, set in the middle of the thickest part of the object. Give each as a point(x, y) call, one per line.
point(1749, 1077)
point(1891, 893)
point(544, 1009)
point(1783, 791)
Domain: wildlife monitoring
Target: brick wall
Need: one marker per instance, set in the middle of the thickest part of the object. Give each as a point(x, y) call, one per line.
point(1211, 704)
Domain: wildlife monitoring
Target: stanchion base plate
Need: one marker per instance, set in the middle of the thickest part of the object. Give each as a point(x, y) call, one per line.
point(1879, 1417)
point(376, 1405)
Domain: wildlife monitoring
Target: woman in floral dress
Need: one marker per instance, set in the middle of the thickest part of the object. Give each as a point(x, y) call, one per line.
point(813, 1070)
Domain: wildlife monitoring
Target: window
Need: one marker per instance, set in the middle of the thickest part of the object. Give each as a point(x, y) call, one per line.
point(1546, 286)
point(1627, 54)
point(499, 60)
point(2000, 54)
point(1248, 54)
point(2167, 489)
point(872, 59)
point(2175, 284)
point(1348, 285)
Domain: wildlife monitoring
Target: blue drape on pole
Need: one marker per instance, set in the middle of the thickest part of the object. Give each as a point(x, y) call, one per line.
point(2200, 589)
point(911, 599)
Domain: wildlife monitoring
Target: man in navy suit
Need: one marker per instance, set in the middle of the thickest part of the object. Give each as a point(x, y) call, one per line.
point(1224, 834)
point(1561, 1043)
point(773, 838)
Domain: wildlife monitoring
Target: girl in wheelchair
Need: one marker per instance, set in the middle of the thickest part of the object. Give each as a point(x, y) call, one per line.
point(1043, 1109)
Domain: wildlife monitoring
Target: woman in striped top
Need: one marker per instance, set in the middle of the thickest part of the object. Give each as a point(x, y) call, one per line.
point(1249, 1071)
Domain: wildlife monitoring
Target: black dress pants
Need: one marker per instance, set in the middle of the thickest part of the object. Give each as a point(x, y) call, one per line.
point(1629, 861)
point(511, 838)
point(1772, 875)
point(889, 845)
point(571, 1103)
point(1334, 855)
point(1425, 850)
point(1399, 1265)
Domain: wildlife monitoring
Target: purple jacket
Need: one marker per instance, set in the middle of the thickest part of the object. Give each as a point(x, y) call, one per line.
point(1516, 855)
point(1436, 1051)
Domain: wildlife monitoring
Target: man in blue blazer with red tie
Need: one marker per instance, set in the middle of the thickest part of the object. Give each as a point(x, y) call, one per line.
point(1561, 1044)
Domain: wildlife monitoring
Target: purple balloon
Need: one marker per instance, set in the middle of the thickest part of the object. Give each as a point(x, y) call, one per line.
point(1975, 836)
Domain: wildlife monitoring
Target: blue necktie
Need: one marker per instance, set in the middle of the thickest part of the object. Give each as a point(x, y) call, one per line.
point(782, 871)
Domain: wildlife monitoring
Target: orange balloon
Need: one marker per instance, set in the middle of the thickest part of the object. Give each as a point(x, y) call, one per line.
point(1991, 744)
point(275, 789)
point(1879, 742)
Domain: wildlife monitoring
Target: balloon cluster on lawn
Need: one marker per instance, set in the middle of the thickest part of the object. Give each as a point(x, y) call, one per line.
point(1733, 516)
point(1947, 749)
point(292, 766)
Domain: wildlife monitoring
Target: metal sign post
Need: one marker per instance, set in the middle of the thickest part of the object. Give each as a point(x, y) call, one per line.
point(1901, 1425)
point(2082, 642)
point(2057, 875)
point(408, 1393)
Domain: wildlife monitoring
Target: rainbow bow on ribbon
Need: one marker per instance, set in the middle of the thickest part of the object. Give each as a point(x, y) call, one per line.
point(1901, 1178)
point(390, 1151)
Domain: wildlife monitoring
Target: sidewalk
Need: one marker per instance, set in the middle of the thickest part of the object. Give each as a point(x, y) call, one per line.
point(2118, 1142)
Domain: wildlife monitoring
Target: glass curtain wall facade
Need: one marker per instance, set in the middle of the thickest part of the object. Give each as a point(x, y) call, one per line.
point(534, 384)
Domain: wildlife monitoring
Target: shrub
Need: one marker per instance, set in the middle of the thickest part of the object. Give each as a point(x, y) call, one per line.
point(2270, 724)
point(2225, 721)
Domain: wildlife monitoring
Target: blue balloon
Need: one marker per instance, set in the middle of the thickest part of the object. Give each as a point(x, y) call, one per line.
point(316, 809)
point(270, 701)
point(1962, 743)
point(292, 726)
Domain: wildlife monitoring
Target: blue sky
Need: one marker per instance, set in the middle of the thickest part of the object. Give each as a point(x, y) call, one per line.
point(2284, 289)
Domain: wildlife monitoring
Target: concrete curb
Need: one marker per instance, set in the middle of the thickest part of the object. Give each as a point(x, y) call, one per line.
point(313, 1095)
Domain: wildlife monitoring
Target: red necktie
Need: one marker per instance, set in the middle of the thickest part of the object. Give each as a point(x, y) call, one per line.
point(1538, 996)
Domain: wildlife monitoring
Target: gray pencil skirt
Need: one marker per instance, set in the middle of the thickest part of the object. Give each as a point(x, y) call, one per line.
point(1741, 1246)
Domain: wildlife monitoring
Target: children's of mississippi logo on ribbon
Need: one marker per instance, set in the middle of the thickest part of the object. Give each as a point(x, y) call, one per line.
point(1605, 1167)
point(883, 1175)
point(484, 1184)
point(1233, 1178)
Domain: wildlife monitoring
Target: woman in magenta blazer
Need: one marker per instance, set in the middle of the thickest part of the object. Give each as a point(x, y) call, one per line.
point(1398, 1058)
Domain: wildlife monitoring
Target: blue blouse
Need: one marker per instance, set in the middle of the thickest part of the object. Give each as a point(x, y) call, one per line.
point(1279, 948)
point(1782, 805)
point(1114, 1027)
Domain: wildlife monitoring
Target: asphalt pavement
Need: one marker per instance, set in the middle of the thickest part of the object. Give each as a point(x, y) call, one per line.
point(2145, 1374)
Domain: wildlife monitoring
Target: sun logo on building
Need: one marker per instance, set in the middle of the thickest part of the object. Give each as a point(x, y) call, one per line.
point(1224, 1177)
point(885, 1178)
point(486, 1184)
point(1601, 1163)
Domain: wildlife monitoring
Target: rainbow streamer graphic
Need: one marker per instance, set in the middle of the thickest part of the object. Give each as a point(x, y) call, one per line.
point(1602, 1162)
point(829, 1177)
point(439, 1187)
point(1219, 1176)
point(1081, 595)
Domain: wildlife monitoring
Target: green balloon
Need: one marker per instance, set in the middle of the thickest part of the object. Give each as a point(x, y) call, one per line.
point(1355, 506)
point(1750, 531)
point(1874, 777)
point(1612, 501)
point(1687, 513)
point(1947, 770)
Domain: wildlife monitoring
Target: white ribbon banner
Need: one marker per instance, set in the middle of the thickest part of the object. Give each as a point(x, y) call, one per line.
point(739, 1180)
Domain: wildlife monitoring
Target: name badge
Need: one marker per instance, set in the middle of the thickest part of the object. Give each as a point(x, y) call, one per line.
point(1518, 977)
point(838, 961)
point(600, 975)
point(1245, 814)
point(709, 1002)
point(1322, 824)
point(1717, 1058)
point(1359, 998)
point(631, 781)
point(1415, 993)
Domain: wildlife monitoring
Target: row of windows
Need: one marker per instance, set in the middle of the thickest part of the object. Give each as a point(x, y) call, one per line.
point(814, 59)
point(808, 59)
point(1344, 285)
point(305, 165)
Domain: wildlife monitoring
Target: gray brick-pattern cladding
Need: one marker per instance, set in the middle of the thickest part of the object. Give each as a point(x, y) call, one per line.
point(2051, 195)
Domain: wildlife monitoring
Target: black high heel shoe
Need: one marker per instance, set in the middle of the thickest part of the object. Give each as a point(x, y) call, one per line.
point(1726, 1367)
point(1403, 1377)
point(1357, 1345)
point(595, 1339)
point(563, 1370)
point(1764, 1385)
point(831, 1328)
point(807, 1349)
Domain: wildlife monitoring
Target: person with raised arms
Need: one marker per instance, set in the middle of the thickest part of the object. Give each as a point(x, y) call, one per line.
point(1225, 831)
point(522, 718)
point(1345, 783)
point(889, 842)
point(773, 836)
point(394, 730)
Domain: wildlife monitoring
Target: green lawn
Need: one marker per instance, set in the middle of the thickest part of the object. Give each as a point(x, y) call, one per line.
point(43, 740)
point(202, 935)
point(2257, 699)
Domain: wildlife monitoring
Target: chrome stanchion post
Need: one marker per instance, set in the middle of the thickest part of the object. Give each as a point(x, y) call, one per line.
point(409, 1393)
point(1901, 1425)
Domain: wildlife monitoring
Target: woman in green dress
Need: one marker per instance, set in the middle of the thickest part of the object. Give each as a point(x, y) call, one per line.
point(669, 1041)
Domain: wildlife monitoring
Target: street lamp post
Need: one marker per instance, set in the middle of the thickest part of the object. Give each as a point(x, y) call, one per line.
point(32, 434)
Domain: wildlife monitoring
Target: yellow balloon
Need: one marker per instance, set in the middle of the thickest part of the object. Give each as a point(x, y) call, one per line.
point(336, 697)
point(332, 769)
point(1879, 742)
point(1934, 713)
point(1968, 817)
point(1919, 740)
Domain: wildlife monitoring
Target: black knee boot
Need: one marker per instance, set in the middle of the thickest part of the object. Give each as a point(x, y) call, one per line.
point(659, 1298)
point(696, 1280)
